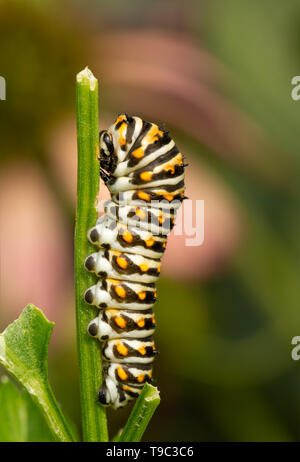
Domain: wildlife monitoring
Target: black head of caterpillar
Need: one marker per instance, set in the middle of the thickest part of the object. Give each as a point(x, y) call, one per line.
point(108, 160)
point(144, 172)
point(108, 154)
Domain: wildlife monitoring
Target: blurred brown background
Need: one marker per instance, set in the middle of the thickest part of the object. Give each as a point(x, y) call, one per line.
point(218, 75)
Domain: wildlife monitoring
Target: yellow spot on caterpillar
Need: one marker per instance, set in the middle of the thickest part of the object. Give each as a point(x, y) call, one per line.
point(120, 118)
point(142, 295)
point(140, 213)
point(144, 196)
point(164, 245)
point(150, 374)
point(122, 262)
point(146, 176)
point(138, 153)
point(161, 219)
point(141, 322)
point(170, 168)
point(177, 160)
point(153, 320)
point(122, 141)
point(159, 268)
point(121, 373)
point(123, 350)
point(140, 377)
point(142, 350)
point(154, 134)
point(169, 197)
point(149, 242)
point(120, 291)
point(155, 293)
point(153, 346)
point(120, 322)
point(144, 267)
point(127, 236)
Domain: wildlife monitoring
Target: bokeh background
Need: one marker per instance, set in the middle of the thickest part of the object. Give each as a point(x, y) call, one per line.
point(218, 75)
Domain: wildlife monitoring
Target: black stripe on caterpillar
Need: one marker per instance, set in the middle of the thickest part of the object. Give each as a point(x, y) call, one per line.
point(144, 171)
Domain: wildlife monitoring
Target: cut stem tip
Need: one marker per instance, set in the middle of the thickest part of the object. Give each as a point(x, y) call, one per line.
point(87, 77)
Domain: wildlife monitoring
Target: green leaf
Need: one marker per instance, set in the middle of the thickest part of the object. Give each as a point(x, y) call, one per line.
point(141, 415)
point(23, 353)
point(20, 418)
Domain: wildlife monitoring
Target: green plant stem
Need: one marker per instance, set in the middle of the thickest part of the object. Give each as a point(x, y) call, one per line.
point(141, 415)
point(94, 422)
point(54, 417)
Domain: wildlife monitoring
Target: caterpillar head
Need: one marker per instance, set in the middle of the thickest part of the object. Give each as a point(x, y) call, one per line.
point(108, 158)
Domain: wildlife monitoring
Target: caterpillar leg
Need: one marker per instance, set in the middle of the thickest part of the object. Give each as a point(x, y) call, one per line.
point(112, 234)
point(115, 324)
point(114, 264)
point(119, 294)
point(123, 383)
point(104, 176)
point(116, 395)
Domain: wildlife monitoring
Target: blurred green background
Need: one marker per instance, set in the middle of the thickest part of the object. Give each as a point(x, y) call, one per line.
point(218, 75)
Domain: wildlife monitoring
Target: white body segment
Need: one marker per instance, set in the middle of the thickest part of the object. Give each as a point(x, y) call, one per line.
point(123, 266)
point(115, 324)
point(137, 351)
point(129, 295)
point(111, 234)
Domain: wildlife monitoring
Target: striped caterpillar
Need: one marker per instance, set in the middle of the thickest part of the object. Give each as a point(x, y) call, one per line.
point(144, 172)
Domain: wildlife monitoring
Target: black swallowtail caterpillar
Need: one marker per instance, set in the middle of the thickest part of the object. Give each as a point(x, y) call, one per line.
point(144, 171)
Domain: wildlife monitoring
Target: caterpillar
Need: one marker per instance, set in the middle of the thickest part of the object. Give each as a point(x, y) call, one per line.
point(144, 172)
